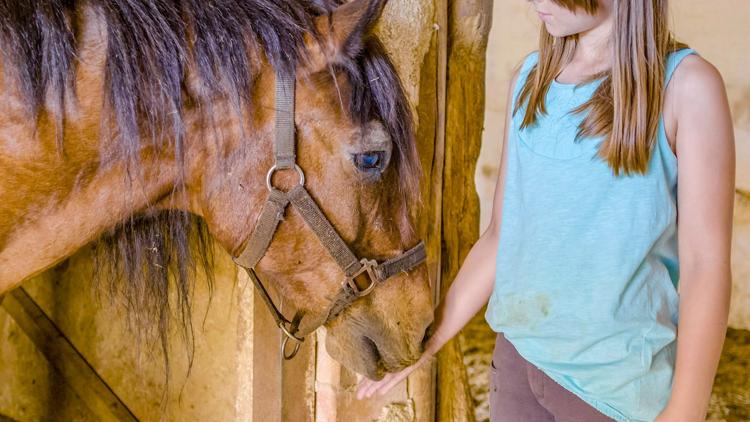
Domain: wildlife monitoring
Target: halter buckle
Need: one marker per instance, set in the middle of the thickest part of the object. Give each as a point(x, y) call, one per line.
point(368, 265)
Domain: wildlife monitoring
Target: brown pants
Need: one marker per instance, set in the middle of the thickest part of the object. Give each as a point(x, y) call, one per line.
point(521, 392)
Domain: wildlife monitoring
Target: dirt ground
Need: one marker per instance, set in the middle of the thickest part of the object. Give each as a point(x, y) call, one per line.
point(730, 401)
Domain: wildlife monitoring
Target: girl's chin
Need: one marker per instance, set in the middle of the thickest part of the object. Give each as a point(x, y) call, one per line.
point(557, 32)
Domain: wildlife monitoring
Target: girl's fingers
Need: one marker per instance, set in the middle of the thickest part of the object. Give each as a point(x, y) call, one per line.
point(387, 383)
point(363, 387)
point(382, 389)
point(360, 386)
point(368, 387)
point(385, 386)
point(397, 379)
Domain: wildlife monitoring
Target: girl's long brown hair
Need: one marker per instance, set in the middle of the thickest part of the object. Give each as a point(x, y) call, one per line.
point(626, 106)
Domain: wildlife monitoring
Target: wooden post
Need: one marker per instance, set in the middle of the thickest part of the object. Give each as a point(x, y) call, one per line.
point(283, 390)
point(267, 390)
point(422, 384)
point(298, 383)
point(469, 24)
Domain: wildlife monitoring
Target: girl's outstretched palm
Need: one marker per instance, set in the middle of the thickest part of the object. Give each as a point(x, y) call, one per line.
point(368, 387)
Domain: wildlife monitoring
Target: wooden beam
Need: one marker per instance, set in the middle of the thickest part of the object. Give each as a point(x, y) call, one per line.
point(65, 358)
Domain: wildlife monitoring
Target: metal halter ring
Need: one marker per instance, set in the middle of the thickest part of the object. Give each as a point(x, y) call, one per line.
point(287, 336)
point(273, 169)
point(368, 265)
point(283, 348)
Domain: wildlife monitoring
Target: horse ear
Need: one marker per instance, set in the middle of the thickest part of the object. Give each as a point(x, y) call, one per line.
point(343, 31)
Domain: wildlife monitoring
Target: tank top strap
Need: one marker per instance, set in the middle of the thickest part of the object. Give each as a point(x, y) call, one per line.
point(523, 73)
point(673, 60)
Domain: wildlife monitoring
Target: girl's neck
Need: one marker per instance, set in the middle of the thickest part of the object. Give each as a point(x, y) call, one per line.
point(594, 48)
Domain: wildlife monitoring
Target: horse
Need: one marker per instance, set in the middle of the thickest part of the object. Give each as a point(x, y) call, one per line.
point(147, 129)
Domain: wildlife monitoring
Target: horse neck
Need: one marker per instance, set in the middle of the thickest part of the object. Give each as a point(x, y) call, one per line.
point(57, 203)
point(226, 165)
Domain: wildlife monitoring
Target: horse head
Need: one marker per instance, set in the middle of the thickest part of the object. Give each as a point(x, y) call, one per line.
point(356, 149)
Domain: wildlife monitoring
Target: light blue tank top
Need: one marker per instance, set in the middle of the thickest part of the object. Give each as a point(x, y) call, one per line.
point(587, 265)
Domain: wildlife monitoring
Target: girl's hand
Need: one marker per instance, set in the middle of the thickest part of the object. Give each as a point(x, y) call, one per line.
point(368, 388)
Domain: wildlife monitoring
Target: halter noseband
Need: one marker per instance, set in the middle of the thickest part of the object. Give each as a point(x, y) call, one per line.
point(273, 212)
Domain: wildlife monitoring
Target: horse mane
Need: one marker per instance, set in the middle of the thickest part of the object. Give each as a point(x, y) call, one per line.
point(151, 258)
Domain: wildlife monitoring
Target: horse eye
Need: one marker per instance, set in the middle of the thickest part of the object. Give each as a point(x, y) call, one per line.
point(369, 161)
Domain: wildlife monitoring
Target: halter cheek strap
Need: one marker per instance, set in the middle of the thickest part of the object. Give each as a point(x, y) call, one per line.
point(273, 212)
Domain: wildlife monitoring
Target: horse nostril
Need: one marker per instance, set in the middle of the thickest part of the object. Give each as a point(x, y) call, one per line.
point(370, 343)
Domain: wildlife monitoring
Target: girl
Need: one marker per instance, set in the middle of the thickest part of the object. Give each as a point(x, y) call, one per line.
point(580, 261)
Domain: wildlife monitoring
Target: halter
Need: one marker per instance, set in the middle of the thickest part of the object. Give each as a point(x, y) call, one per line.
point(273, 212)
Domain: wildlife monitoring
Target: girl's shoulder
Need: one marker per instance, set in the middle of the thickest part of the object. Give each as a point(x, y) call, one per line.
point(686, 70)
point(695, 97)
point(692, 81)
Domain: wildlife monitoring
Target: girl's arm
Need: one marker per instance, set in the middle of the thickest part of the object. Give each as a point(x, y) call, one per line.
point(475, 280)
point(705, 146)
point(470, 289)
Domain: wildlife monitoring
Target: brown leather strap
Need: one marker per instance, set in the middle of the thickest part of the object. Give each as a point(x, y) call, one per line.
point(270, 216)
point(289, 328)
point(345, 297)
point(403, 262)
point(277, 315)
point(327, 235)
point(284, 144)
